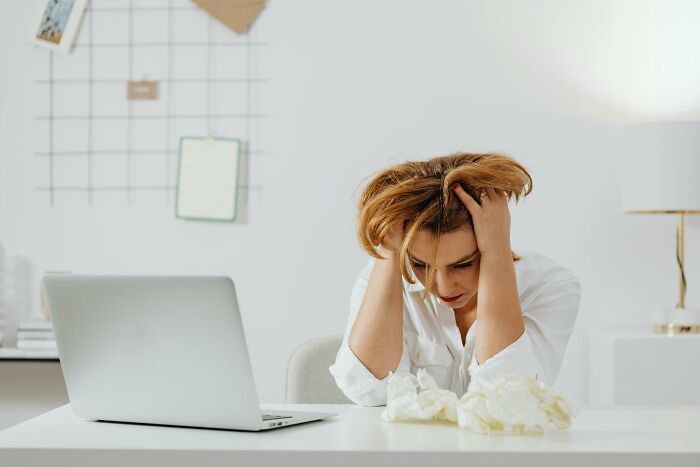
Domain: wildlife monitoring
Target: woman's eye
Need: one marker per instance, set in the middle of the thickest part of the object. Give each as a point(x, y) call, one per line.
point(458, 266)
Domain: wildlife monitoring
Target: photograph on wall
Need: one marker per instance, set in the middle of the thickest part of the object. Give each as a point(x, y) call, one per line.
point(56, 23)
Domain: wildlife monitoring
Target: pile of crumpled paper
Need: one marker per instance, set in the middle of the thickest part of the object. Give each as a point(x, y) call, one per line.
point(514, 404)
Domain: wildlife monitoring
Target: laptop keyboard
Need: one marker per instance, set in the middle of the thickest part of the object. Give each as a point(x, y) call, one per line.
point(274, 417)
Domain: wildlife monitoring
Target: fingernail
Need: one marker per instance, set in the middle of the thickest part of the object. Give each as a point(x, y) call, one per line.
point(455, 185)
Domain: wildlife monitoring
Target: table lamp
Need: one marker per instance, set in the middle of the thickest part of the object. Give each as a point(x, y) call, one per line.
point(661, 175)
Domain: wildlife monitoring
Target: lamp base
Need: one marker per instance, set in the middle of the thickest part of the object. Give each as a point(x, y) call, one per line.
point(675, 321)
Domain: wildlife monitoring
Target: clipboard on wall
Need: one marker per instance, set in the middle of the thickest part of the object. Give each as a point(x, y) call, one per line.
point(207, 179)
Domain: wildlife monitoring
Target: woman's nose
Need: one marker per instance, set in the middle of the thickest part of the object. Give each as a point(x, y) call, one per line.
point(444, 283)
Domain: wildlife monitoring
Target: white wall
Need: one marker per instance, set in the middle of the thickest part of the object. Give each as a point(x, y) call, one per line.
point(352, 87)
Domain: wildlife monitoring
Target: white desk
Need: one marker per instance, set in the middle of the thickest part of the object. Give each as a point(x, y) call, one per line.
point(602, 436)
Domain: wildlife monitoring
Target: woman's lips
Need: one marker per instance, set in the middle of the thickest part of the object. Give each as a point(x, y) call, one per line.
point(451, 299)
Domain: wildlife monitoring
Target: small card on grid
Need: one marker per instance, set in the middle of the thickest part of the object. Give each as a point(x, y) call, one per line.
point(144, 89)
point(207, 180)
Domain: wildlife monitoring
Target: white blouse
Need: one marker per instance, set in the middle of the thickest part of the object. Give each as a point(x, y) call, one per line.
point(549, 299)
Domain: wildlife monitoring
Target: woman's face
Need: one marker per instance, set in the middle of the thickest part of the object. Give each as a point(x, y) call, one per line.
point(457, 264)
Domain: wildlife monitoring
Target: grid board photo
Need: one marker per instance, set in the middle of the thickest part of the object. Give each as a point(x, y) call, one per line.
point(96, 146)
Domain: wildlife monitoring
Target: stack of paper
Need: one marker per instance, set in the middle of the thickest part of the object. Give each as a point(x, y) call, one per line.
point(3, 309)
point(35, 334)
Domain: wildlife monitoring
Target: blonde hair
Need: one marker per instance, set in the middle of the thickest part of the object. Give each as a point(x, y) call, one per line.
point(417, 195)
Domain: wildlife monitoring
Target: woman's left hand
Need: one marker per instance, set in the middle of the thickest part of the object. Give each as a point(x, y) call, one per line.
point(491, 220)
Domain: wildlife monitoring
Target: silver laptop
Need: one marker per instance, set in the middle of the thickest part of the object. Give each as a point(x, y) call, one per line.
point(161, 350)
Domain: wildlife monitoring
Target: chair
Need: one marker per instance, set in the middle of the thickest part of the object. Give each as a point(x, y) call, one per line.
point(308, 378)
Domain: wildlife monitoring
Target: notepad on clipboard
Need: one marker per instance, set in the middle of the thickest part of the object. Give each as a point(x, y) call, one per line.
point(207, 178)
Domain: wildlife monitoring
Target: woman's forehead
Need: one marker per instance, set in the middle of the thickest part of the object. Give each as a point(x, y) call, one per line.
point(452, 246)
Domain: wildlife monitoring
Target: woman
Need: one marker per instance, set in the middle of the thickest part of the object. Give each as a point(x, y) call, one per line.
point(443, 290)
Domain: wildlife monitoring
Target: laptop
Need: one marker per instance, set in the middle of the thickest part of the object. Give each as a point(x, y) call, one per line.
point(166, 350)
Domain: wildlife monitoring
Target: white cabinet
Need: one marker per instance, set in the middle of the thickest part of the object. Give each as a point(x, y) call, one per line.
point(636, 366)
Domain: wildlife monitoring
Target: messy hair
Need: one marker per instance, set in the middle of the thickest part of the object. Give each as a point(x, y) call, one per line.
point(417, 195)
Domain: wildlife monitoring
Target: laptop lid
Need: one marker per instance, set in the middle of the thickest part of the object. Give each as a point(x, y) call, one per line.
point(153, 349)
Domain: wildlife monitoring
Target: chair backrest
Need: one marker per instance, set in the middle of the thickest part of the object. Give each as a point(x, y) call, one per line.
point(308, 378)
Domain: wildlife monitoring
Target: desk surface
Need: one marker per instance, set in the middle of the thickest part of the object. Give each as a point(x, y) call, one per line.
point(645, 435)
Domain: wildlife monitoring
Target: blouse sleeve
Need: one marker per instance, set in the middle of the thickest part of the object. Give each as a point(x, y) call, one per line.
point(351, 375)
point(549, 311)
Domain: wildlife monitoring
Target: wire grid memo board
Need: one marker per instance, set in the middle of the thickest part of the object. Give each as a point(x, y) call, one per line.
point(96, 145)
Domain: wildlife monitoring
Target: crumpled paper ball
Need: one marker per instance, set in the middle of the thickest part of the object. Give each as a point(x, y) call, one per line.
point(406, 402)
point(515, 404)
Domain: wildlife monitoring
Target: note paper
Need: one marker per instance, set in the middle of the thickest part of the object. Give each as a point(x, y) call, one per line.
point(207, 183)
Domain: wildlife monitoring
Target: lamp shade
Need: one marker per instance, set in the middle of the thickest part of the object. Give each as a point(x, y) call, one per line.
point(661, 168)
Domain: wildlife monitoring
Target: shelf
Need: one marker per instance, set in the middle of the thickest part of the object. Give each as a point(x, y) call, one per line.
point(9, 353)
